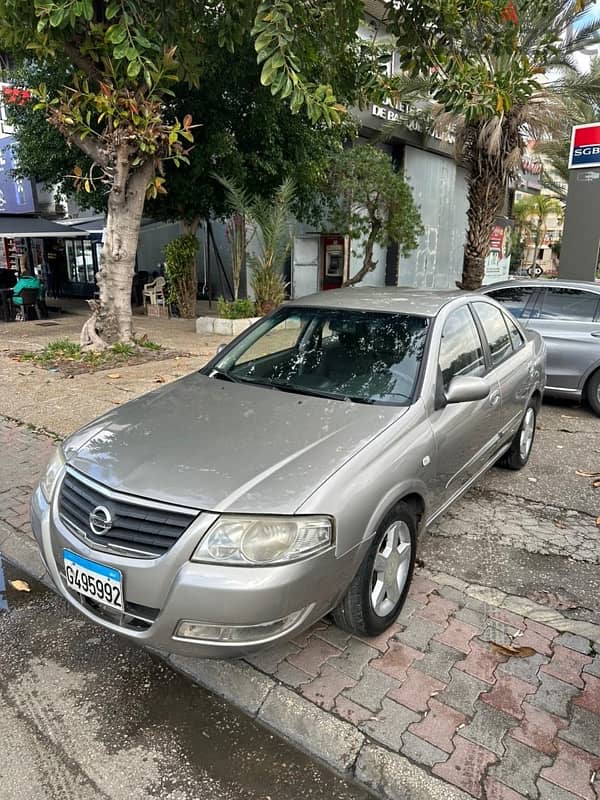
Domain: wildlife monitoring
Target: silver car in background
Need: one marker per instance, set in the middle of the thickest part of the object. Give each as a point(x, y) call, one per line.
point(567, 315)
point(291, 476)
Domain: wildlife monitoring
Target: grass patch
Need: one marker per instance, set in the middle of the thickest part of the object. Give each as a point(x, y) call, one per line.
point(67, 356)
point(122, 349)
point(145, 342)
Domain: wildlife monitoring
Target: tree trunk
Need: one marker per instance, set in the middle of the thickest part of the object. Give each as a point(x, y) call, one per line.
point(368, 263)
point(117, 259)
point(486, 194)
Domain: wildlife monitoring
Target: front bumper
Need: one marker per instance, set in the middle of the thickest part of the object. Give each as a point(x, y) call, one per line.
point(161, 592)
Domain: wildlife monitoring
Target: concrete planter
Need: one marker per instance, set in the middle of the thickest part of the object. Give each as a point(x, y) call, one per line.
point(222, 326)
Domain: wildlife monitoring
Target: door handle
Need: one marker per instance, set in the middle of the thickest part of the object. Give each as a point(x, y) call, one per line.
point(494, 398)
point(596, 334)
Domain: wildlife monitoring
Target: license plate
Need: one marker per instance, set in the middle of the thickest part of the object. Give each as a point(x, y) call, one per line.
point(100, 583)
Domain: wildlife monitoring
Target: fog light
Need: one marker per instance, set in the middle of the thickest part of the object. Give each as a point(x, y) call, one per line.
point(204, 631)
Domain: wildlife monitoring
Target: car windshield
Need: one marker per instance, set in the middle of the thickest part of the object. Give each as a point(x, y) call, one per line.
point(362, 356)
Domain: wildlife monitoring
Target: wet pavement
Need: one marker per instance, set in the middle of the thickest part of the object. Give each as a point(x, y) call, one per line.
point(85, 715)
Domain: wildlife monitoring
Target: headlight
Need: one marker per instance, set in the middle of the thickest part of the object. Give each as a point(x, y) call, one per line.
point(264, 540)
point(53, 470)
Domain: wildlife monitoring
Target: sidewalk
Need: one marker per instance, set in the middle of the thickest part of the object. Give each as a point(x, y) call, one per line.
point(437, 709)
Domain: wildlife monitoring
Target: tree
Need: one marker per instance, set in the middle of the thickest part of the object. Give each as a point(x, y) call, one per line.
point(532, 214)
point(497, 70)
point(123, 58)
point(270, 224)
point(181, 273)
point(367, 199)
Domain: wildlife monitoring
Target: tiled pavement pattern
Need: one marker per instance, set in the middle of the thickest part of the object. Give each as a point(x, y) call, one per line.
point(435, 688)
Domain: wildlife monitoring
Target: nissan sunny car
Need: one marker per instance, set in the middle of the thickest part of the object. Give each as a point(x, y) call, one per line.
point(291, 476)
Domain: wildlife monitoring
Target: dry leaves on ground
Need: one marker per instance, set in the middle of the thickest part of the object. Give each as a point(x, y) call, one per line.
point(513, 651)
point(20, 586)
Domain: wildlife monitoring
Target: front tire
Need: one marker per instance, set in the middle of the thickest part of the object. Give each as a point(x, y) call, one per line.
point(517, 456)
point(593, 392)
point(376, 595)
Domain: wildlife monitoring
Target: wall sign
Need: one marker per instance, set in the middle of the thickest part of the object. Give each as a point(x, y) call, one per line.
point(16, 194)
point(585, 146)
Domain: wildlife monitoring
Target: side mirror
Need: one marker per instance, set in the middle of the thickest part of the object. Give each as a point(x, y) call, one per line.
point(466, 388)
point(221, 347)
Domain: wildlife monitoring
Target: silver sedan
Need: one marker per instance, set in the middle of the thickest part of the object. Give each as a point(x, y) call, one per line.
point(292, 475)
point(567, 315)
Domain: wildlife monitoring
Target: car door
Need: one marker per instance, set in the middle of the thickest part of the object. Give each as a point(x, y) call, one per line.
point(509, 365)
point(465, 433)
point(567, 319)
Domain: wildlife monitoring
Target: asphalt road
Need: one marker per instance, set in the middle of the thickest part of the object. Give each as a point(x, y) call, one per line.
point(85, 716)
point(567, 440)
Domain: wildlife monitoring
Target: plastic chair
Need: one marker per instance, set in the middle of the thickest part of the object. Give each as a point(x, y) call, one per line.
point(29, 305)
point(154, 291)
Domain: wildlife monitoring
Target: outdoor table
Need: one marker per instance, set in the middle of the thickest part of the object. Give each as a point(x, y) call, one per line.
point(6, 305)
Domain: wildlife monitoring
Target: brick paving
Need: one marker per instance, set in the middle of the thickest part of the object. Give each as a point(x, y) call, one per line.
point(435, 688)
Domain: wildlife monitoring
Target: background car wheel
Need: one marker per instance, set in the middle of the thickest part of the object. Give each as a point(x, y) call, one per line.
point(375, 596)
point(593, 392)
point(518, 453)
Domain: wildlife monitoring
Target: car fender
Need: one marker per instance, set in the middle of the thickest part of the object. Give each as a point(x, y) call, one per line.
point(587, 374)
point(396, 494)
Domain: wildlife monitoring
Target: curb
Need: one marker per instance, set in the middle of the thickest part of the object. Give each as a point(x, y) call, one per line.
point(317, 732)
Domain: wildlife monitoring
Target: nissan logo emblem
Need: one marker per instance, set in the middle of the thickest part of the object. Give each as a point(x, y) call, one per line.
point(100, 520)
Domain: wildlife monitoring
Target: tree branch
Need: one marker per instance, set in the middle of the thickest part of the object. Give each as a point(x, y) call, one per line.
point(84, 64)
point(89, 146)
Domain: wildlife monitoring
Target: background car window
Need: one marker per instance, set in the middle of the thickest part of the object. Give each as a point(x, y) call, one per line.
point(516, 336)
point(515, 298)
point(461, 352)
point(573, 304)
point(495, 330)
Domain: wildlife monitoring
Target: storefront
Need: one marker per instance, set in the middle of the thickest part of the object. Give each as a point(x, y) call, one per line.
point(30, 242)
point(323, 261)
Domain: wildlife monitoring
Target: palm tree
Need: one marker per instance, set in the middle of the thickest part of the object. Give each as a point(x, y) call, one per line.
point(498, 73)
point(531, 213)
point(271, 233)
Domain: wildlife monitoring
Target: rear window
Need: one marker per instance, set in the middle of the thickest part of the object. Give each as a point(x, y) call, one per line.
point(496, 331)
point(515, 298)
point(570, 304)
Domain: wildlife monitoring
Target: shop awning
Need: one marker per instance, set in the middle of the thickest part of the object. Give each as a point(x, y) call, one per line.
point(20, 227)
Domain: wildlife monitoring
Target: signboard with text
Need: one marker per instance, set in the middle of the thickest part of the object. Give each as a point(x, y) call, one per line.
point(585, 146)
point(16, 194)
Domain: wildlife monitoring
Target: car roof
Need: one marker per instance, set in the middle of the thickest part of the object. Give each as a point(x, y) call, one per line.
point(540, 282)
point(399, 299)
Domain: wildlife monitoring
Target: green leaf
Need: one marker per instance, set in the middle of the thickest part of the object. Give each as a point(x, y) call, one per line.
point(133, 69)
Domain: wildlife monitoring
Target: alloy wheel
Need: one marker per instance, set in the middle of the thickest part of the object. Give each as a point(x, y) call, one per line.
point(527, 431)
point(390, 568)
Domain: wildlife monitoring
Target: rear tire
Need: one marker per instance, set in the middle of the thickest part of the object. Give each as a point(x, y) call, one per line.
point(592, 392)
point(376, 595)
point(517, 455)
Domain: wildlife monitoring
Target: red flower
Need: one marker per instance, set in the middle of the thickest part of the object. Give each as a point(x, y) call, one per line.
point(509, 13)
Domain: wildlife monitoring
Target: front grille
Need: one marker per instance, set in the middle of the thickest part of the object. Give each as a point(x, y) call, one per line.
point(143, 528)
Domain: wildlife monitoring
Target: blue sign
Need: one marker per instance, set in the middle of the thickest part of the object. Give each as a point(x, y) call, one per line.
point(585, 146)
point(16, 194)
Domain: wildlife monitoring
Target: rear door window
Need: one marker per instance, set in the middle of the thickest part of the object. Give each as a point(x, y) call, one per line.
point(496, 332)
point(517, 299)
point(575, 305)
point(516, 336)
point(461, 352)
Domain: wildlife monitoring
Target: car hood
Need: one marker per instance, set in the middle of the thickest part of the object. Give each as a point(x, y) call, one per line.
point(218, 446)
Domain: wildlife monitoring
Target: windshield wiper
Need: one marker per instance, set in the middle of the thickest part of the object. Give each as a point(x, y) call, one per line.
point(285, 387)
point(223, 375)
